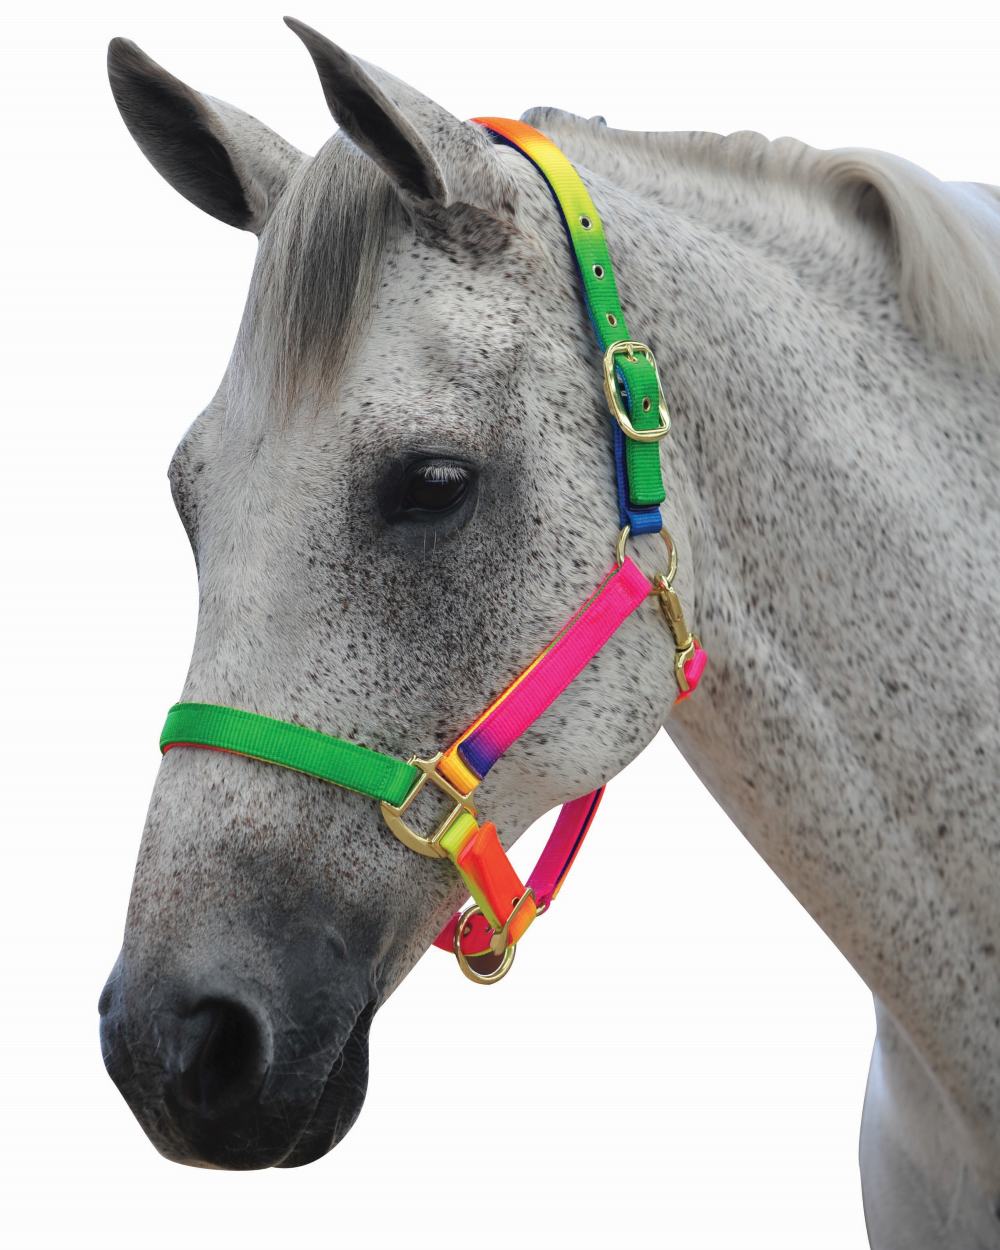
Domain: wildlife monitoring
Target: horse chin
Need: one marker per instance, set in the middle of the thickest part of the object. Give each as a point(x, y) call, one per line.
point(341, 1101)
point(235, 1147)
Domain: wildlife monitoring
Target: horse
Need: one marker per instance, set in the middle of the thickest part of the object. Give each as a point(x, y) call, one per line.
point(401, 487)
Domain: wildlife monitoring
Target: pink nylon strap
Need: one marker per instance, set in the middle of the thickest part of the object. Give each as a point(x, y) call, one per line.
point(472, 755)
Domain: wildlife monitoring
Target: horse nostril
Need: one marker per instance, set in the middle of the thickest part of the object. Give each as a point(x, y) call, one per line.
point(222, 1058)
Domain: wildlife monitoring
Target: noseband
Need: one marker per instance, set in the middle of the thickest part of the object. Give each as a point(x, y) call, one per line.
point(484, 936)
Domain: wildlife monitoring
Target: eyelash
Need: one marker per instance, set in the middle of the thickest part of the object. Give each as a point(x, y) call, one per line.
point(439, 472)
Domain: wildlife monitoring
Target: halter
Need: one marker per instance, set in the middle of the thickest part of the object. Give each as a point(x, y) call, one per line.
point(484, 936)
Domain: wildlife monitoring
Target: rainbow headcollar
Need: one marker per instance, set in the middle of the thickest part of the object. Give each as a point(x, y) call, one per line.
point(484, 937)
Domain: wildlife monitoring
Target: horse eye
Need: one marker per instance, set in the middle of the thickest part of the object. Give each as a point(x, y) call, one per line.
point(433, 488)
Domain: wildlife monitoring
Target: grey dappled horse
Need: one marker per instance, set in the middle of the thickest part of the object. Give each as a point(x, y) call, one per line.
point(403, 485)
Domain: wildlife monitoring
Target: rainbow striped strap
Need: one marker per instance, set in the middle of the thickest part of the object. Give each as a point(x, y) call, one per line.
point(638, 476)
point(504, 904)
point(467, 761)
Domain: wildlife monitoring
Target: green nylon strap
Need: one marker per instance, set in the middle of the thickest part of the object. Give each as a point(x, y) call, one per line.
point(642, 460)
point(590, 248)
point(304, 750)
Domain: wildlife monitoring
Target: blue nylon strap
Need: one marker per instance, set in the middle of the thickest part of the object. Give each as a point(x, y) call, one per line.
point(647, 520)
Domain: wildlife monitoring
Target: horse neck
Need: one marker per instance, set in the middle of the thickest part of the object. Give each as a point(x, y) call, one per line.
point(808, 474)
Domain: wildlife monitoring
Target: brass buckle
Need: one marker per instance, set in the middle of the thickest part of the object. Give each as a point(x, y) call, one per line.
point(498, 943)
point(629, 348)
point(430, 844)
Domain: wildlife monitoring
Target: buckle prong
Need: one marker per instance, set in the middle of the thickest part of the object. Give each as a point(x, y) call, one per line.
point(498, 942)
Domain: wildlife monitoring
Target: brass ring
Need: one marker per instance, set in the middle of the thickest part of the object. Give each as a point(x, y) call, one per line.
point(480, 978)
point(671, 572)
point(623, 534)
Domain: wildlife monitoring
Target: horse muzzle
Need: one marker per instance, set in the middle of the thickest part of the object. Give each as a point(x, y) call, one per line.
point(217, 1078)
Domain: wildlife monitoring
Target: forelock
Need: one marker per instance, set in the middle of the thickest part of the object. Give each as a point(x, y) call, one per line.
point(318, 268)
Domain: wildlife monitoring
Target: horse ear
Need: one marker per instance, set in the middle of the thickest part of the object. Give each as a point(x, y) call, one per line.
point(222, 159)
point(429, 154)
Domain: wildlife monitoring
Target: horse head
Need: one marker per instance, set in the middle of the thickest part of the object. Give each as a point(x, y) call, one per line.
point(398, 492)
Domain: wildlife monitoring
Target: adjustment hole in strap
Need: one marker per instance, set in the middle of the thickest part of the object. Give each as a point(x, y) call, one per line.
point(586, 222)
point(646, 405)
point(598, 271)
point(612, 319)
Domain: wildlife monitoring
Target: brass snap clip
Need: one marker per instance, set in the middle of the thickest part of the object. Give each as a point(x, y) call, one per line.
point(685, 643)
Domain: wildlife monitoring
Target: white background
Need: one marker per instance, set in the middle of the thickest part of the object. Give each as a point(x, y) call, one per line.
point(691, 1076)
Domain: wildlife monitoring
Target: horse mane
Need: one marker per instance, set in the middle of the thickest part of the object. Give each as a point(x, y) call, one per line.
point(944, 236)
point(946, 241)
